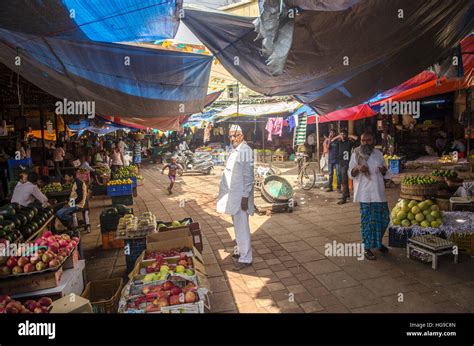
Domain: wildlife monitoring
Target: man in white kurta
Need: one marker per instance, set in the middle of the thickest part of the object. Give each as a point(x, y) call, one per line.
point(236, 194)
point(367, 168)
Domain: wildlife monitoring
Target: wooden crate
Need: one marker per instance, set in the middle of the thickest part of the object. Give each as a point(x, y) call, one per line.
point(30, 283)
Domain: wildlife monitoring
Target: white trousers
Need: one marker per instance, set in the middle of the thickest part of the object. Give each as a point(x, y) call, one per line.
point(242, 236)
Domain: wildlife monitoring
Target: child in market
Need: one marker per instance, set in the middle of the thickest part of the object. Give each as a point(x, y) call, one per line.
point(172, 169)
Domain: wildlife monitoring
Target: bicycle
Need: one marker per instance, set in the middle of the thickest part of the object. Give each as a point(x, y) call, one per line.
point(306, 173)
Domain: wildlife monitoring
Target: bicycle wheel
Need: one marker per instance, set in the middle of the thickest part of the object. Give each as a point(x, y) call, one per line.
point(307, 178)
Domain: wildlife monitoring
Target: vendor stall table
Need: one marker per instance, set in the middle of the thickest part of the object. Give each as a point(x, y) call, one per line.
point(61, 196)
point(435, 246)
point(72, 281)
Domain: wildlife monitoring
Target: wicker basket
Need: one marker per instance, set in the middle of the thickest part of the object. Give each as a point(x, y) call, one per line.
point(420, 190)
point(104, 295)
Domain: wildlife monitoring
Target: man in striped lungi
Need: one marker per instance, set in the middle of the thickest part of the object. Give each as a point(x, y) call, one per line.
point(367, 168)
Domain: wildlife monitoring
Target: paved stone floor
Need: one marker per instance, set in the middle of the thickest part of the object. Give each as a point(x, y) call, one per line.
point(290, 272)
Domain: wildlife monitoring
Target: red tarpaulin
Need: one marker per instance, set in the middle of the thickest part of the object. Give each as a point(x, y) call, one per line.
point(353, 113)
point(423, 85)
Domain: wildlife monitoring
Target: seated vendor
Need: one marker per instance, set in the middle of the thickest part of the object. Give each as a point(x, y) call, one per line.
point(459, 147)
point(27, 190)
point(77, 199)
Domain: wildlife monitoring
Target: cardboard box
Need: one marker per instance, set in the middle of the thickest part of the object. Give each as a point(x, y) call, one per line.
point(30, 283)
point(169, 240)
point(71, 304)
point(141, 263)
point(193, 228)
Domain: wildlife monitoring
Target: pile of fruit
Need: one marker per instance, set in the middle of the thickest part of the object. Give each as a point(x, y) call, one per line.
point(103, 170)
point(173, 224)
point(122, 173)
point(157, 255)
point(59, 247)
point(53, 187)
point(18, 222)
point(408, 213)
point(418, 180)
point(447, 159)
point(391, 157)
point(10, 306)
point(163, 266)
point(119, 182)
point(127, 224)
point(155, 297)
point(147, 222)
point(445, 173)
point(67, 186)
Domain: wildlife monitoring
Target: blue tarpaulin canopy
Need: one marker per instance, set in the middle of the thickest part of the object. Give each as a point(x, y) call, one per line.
point(57, 44)
point(339, 59)
point(96, 20)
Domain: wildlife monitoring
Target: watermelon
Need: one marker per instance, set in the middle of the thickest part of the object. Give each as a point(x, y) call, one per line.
point(15, 220)
point(26, 231)
point(35, 210)
point(28, 213)
point(34, 225)
point(7, 210)
point(22, 218)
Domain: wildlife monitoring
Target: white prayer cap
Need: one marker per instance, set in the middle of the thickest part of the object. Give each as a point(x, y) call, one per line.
point(235, 128)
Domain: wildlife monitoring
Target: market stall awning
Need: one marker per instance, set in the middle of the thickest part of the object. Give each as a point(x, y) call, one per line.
point(339, 59)
point(95, 20)
point(121, 80)
point(352, 113)
point(256, 110)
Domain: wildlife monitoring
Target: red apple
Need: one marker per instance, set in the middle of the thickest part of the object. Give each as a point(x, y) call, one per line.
point(28, 268)
point(174, 300)
point(73, 243)
point(44, 242)
point(167, 285)
point(175, 290)
point(23, 261)
point(190, 297)
point(4, 299)
point(63, 243)
point(47, 234)
point(17, 270)
point(38, 310)
point(50, 239)
point(163, 301)
point(54, 246)
point(45, 301)
point(35, 258)
point(12, 262)
point(76, 239)
point(5, 271)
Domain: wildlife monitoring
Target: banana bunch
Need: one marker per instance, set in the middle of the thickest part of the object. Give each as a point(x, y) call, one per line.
point(391, 157)
point(119, 182)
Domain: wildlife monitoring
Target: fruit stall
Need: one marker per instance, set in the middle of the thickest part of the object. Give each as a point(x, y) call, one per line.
point(168, 277)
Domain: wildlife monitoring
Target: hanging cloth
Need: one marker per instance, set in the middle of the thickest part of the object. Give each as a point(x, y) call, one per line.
point(300, 130)
point(274, 127)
